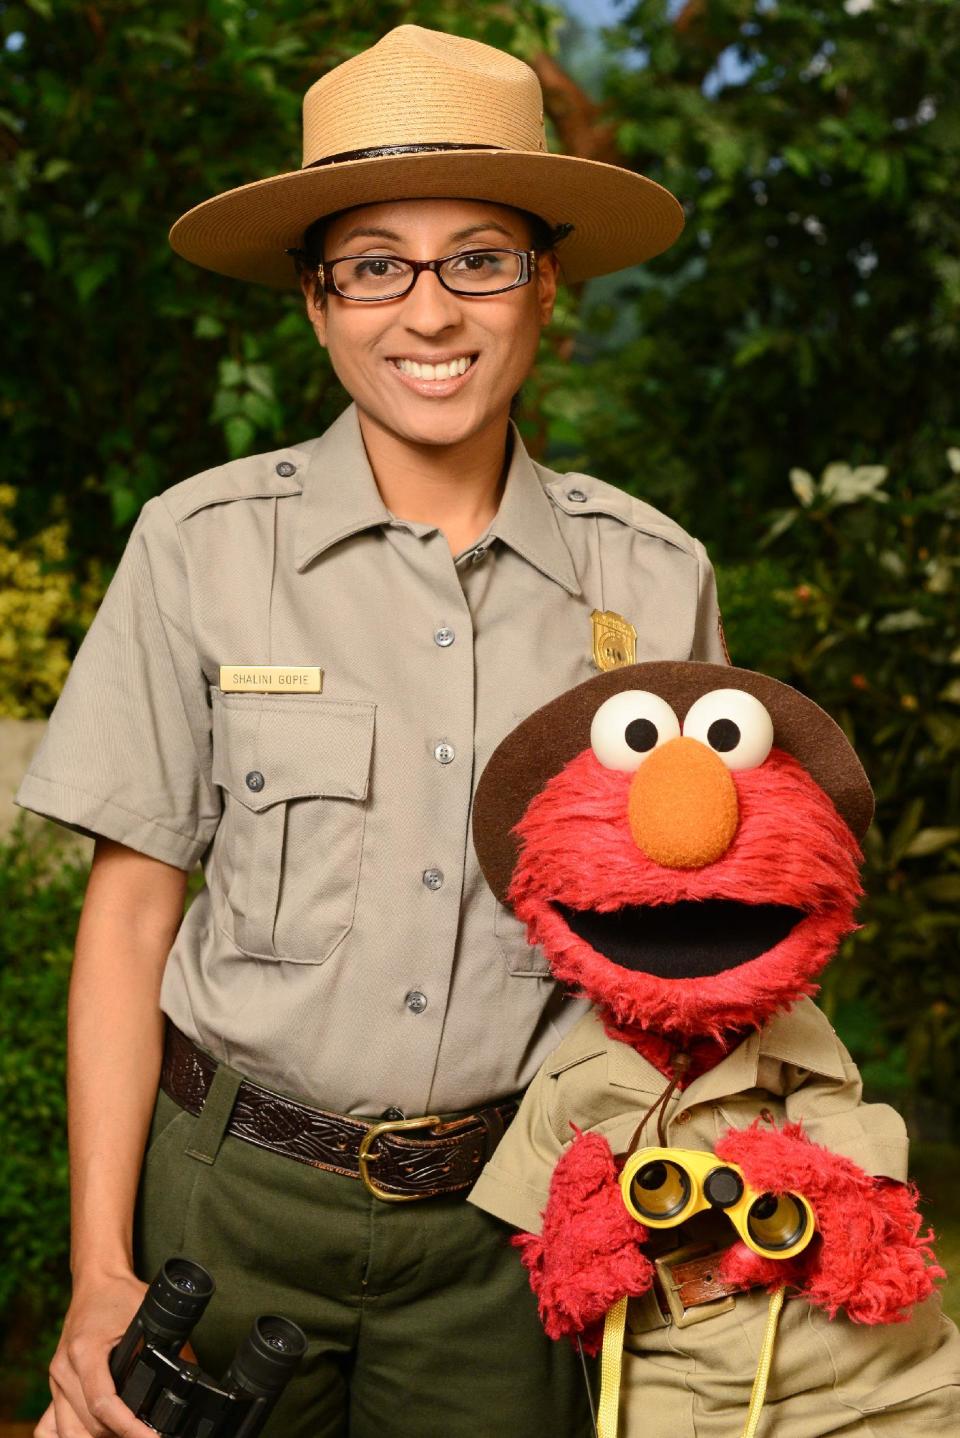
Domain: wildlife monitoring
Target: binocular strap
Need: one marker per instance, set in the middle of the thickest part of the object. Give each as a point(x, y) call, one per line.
point(611, 1359)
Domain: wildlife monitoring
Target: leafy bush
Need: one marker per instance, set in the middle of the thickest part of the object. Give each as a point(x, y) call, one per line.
point(44, 612)
point(41, 894)
point(864, 617)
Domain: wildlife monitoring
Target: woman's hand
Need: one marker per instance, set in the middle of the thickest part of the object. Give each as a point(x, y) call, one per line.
point(85, 1401)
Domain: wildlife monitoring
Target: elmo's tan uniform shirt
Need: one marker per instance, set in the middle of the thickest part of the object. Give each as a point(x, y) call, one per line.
point(898, 1381)
point(345, 948)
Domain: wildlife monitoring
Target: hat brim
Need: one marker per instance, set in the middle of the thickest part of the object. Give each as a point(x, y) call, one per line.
point(542, 744)
point(620, 218)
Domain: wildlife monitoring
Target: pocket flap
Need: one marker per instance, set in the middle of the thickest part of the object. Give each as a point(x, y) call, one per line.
point(291, 747)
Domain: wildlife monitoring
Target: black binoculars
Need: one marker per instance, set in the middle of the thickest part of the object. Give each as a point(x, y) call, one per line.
point(173, 1396)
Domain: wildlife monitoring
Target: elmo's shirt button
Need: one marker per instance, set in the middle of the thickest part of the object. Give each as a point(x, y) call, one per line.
point(683, 1117)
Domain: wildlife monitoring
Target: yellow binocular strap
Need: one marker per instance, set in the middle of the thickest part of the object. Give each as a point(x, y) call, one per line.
point(611, 1359)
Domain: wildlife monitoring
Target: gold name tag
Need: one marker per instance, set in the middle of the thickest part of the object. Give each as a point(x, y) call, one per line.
point(271, 678)
point(614, 639)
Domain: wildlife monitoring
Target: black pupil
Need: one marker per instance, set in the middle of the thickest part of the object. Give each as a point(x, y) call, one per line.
point(641, 735)
point(723, 735)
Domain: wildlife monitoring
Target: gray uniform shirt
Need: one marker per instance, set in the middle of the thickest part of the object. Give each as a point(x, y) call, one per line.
point(345, 948)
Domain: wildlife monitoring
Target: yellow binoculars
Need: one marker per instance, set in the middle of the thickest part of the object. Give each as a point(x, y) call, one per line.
point(662, 1187)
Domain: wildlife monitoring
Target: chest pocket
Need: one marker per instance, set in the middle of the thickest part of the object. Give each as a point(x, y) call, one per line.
point(295, 772)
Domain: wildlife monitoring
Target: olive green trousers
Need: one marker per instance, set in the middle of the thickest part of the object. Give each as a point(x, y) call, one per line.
point(419, 1317)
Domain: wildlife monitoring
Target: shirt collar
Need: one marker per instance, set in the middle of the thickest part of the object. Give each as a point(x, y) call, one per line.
point(340, 498)
point(340, 494)
point(527, 521)
point(802, 1036)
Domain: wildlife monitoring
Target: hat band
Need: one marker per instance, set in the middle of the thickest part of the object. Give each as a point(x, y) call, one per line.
point(378, 150)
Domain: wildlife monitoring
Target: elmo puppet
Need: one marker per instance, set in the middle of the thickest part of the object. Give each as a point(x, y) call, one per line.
point(682, 839)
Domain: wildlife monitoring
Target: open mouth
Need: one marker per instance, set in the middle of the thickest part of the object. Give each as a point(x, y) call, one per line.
point(452, 369)
point(687, 940)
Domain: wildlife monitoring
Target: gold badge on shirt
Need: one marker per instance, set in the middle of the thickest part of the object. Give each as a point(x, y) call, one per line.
point(614, 639)
point(271, 678)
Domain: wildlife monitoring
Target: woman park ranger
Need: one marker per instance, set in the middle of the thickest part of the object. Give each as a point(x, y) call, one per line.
point(298, 671)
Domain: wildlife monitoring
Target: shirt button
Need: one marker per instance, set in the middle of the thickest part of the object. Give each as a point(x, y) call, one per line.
point(443, 637)
point(255, 780)
point(415, 1001)
point(433, 878)
point(683, 1117)
point(478, 554)
point(444, 753)
point(285, 469)
point(393, 1114)
point(577, 495)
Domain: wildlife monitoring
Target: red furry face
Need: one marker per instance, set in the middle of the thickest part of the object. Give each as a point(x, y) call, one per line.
point(687, 951)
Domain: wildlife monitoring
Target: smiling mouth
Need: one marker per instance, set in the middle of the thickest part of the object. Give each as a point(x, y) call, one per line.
point(424, 371)
point(691, 939)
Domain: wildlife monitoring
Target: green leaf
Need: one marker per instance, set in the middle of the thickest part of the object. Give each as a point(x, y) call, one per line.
point(261, 412)
point(800, 162)
point(260, 378)
point(38, 240)
point(207, 327)
point(88, 278)
point(239, 434)
point(930, 841)
point(943, 889)
point(803, 486)
point(55, 169)
point(901, 621)
point(231, 373)
point(903, 834)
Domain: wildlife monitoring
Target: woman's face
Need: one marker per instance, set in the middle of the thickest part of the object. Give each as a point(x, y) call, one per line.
point(430, 325)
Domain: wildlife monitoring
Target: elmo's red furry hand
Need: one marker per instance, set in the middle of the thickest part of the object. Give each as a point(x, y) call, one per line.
point(870, 1258)
point(588, 1254)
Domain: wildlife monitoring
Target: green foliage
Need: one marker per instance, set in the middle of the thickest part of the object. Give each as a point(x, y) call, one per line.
point(41, 893)
point(811, 306)
point(863, 604)
point(44, 612)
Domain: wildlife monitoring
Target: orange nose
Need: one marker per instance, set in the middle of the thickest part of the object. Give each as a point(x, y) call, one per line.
point(683, 805)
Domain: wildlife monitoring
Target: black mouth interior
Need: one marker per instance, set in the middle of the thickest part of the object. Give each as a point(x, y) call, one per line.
point(687, 940)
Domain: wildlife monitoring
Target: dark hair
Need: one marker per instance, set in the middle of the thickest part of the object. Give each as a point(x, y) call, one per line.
point(543, 236)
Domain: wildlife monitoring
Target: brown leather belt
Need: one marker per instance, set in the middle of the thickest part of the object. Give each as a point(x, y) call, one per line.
point(444, 1157)
point(689, 1278)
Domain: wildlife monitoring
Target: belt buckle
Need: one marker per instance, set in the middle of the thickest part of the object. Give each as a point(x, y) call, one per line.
point(682, 1316)
point(365, 1157)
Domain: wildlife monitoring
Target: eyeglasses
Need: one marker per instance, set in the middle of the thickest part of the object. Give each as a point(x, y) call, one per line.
point(369, 278)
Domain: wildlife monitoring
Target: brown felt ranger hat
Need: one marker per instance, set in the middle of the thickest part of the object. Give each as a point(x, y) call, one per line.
point(539, 748)
point(423, 113)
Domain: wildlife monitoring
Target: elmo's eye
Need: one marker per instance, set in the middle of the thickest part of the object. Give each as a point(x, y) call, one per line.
point(734, 725)
point(629, 726)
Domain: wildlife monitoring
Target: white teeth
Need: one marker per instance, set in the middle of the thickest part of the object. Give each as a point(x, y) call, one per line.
point(446, 370)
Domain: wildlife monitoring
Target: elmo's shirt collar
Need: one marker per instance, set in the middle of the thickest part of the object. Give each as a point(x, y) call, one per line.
point(799, 1038)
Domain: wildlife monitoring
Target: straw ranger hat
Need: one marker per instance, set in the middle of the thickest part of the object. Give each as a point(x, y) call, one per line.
point(423, 113)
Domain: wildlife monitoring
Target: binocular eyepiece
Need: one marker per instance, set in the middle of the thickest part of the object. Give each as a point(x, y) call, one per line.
point(662, 1187)
point(174, 1396)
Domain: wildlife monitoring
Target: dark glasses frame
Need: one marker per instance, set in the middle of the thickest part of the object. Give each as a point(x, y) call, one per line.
point(327, 283)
